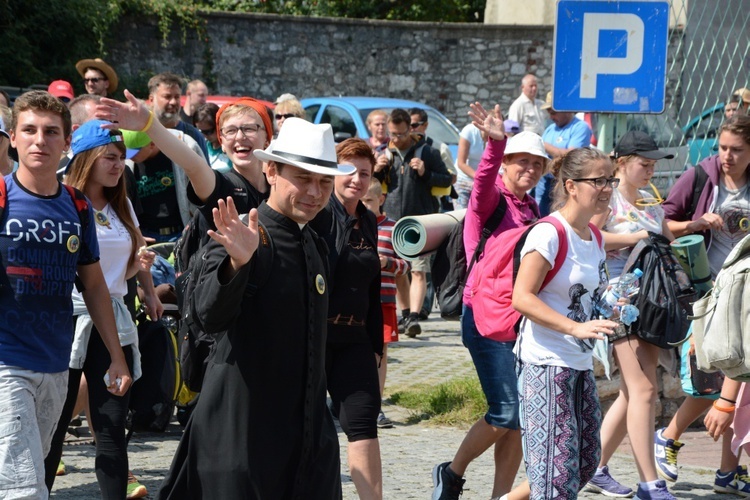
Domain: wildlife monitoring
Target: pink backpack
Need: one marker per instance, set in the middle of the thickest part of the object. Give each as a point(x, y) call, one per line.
point(492, 292)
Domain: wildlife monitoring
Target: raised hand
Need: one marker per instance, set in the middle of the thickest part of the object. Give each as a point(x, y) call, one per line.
point(130, 115)
point(239, 240)
point(488, 122)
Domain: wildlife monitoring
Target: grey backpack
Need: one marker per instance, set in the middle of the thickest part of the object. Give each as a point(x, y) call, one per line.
point(721, 319)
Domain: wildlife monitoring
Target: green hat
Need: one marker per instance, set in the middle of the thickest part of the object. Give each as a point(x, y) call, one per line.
point(134, 141)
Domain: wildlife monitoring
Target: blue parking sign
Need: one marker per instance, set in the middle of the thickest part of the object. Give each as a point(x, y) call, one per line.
point(610, 56)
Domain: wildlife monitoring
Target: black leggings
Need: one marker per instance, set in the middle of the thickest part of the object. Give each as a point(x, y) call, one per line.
point(108, 413)
point(352, 374)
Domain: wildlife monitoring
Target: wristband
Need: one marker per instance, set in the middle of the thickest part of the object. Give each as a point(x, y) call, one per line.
point(149, 122)
point(728, 400)
point(722, 409)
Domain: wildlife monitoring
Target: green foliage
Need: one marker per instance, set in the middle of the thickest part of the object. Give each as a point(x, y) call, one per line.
point(457, 401)
point(41, 40)
point(397, 10)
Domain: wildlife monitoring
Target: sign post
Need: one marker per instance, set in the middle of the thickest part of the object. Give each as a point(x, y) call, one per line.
point(610, 57)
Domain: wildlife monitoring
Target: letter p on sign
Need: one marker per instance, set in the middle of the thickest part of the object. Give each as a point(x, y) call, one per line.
point(625, 30)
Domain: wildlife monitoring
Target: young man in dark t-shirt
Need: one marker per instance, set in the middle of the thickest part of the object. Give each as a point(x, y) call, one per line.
point(44, 245)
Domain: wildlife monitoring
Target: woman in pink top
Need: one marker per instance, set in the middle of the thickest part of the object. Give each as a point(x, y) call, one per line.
point(508, 169)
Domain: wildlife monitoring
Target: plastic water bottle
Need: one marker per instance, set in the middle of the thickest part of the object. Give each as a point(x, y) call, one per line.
point(627, 286)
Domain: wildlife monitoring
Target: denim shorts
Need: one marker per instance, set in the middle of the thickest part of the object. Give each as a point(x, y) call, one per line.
point(496, 368)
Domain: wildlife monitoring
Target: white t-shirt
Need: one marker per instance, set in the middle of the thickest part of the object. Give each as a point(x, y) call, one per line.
point(476, 147)
point(114, 249)
point(625, 218)
point(572, 293)
point(733, 205)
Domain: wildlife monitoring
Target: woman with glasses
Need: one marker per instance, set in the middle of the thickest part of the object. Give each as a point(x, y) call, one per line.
point(560, 414)
point(522, 161)
point(204, 120)
point(632, 213)
point(96, 170)
point(713, 200)
point(287, 108)
point(243, 126)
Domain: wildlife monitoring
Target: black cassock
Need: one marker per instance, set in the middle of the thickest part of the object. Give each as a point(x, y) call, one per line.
point(261, 428)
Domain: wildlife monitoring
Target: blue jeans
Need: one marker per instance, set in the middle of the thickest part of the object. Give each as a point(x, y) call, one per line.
point(495, 364)
point(543, 194)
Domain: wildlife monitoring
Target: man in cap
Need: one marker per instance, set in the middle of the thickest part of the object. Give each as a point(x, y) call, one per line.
point(98, 77)
point(273, 352)
point(527, 110)
point(565, 133)
point(195, 96)
point(62, 90)
point(38, 272)
point(164, 92)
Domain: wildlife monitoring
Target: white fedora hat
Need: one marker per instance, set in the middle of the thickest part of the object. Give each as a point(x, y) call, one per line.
point(307, 146)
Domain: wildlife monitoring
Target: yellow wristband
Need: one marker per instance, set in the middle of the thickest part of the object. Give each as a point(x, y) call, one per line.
point(722, 408)
point(149, 122)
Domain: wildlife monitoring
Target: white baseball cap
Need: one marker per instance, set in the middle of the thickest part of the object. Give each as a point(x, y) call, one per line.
point(526, 142)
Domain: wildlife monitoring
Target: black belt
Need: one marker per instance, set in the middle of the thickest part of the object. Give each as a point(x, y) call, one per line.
point(340, 319)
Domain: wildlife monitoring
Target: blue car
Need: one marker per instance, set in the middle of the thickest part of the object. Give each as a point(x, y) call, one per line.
point(347, 116)
point(701, 133)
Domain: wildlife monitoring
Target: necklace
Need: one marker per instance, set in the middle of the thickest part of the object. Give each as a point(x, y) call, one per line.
point(101, 218)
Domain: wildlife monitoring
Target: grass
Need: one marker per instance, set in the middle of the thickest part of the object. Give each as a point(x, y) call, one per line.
point(457, 401)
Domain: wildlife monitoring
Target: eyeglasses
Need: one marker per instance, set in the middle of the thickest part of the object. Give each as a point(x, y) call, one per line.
point(93, 80)
point(400, 136)
point(284, 116)
point(208, 131)
point(600, 182)
point(250, 130)
point(417, 124)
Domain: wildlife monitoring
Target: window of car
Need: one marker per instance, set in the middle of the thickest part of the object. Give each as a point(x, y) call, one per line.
point(340, 120)
point(311, 112)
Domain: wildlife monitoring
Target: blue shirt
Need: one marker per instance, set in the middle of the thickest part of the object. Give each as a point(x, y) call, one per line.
point(41, 244)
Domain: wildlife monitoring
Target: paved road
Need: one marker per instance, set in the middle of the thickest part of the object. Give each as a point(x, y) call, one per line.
point(409, 451)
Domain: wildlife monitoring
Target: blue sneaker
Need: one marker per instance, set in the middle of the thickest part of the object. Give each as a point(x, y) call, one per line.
point(665, 452)
point(659, 493)
point(735, 482)
point(608, 486)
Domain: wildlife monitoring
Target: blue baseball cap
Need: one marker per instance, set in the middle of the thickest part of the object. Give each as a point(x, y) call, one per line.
point(91, 135)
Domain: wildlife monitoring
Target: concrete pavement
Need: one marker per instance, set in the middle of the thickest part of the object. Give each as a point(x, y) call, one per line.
point(409, 451)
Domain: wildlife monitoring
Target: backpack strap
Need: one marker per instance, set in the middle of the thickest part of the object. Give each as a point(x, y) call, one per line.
point(699, 182)
point(562, 249)
point(489, 227)
point(3, 196)
point(81, 204)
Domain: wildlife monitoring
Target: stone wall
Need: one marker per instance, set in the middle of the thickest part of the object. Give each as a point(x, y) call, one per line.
point(444, 65)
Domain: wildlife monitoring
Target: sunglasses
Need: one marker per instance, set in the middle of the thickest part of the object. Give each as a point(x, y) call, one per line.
point(284, 116)
point(93, 80)
point(207, 131)
point(417, 124)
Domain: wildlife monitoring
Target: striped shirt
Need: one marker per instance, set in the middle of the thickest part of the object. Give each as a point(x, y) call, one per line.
point(395, 265)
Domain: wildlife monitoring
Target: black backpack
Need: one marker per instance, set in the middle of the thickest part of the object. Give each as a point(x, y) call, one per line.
point(197, 346)
point(153, 396)
point(449, 269)
point(666, 293)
